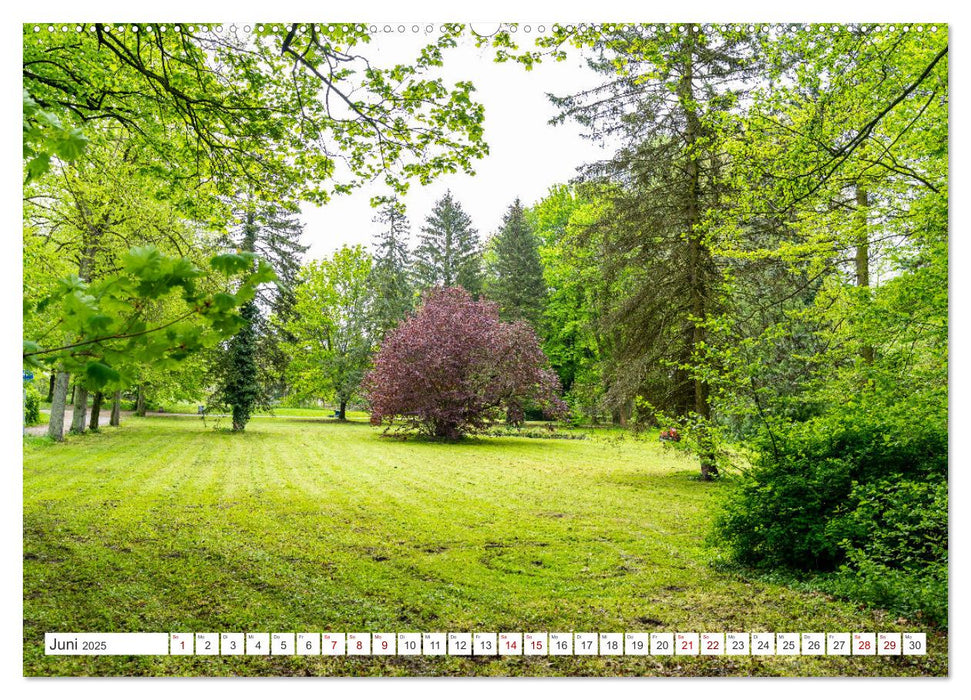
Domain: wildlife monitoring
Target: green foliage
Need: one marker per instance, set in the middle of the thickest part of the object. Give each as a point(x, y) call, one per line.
point(892, 522)
point(241, 390)
point(913, 593)
point(45, 137)
point(31, 404)
point(391, 273)
point(895, 537)
point(535, 433)
point(570, 331)
point(257, 119)
point(331, 331)
point(271, 231)
point(106, 325)
point(515, 274)
point(192, 117)
point(840, 488)
point(448, 252)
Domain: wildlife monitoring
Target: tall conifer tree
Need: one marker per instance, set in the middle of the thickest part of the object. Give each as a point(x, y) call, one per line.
point(670, 88)
point(449, 254)
point(250, 368)
point(391, 271)
point(516, 273)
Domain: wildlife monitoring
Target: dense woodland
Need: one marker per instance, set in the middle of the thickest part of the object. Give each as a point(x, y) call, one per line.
point(762, 264)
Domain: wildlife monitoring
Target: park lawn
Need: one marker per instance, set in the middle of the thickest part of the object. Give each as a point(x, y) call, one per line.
point(165, 525)
point(277, 411)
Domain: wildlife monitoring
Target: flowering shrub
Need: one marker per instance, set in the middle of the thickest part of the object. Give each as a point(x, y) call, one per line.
point(453, 366)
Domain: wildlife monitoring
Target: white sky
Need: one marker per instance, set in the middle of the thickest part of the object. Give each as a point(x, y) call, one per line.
point(527, 155)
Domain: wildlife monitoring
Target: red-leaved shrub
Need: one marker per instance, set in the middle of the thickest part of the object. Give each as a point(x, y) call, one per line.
point(453, 366)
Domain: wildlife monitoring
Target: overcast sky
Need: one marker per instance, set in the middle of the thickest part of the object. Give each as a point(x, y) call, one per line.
point(527, 155)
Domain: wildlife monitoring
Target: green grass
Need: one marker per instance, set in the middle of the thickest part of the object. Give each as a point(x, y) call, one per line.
point(310, 525)
point(279, 411)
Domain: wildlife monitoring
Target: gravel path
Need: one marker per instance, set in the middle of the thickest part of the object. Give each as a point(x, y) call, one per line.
point(69, 415)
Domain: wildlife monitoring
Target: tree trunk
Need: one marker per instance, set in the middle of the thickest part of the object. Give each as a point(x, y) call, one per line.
point(342, 411)
point(140, 402)
point(624, 416)
point(239, 420)
point(50, 389)
point(55, 429)
point(615, 415)
point(863, 256)
point(96, 411)
point(697, 253)
point(116, 410)
point(80, 409)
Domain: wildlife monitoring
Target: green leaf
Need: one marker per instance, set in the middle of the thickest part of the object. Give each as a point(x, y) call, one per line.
point(224, 302)
point(143, 261)
point(72, 145)
point(101, 374)
point(231, 263)
point(38, 165)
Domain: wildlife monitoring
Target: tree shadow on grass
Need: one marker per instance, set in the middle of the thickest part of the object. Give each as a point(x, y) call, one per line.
point(323, 421)
point(674, 477)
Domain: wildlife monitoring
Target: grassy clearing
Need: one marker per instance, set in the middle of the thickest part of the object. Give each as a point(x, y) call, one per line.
point(309, 525)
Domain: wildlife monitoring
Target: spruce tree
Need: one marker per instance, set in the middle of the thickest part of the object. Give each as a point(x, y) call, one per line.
point(671, 89)
point(448, 253)
point(390, 274)
point(516, 273)
point(241, 389)
point(249, 369)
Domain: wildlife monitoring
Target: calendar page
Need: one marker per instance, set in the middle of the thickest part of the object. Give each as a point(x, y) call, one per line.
point(521, 348)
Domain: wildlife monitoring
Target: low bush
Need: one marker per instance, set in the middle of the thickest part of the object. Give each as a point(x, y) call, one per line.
point(920, 593)
point(855, 499)
point(793, 508)
point(31, 405)
point(536, 433)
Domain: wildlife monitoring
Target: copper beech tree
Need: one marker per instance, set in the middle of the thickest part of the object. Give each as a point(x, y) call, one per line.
point(453, 366)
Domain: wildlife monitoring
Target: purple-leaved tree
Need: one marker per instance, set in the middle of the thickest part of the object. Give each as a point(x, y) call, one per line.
point(453, 366)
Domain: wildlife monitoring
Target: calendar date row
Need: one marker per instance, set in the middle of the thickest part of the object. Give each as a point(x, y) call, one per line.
point(489, 644)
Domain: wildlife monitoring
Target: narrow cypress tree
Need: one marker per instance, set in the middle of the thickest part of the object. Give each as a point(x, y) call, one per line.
point(516, 274)
point(390, 274)
point(448, 253)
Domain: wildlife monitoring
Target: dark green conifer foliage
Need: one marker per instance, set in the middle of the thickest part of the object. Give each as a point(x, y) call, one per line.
point(516, 274)
point(391, 271)
point(241, 390)
point(249, 371)
point(448, 254)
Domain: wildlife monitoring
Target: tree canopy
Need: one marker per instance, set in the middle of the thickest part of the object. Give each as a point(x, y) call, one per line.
point(451, 366)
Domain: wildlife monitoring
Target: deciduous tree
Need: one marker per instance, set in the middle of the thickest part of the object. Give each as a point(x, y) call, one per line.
point(454, 365)
point(331, 327)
